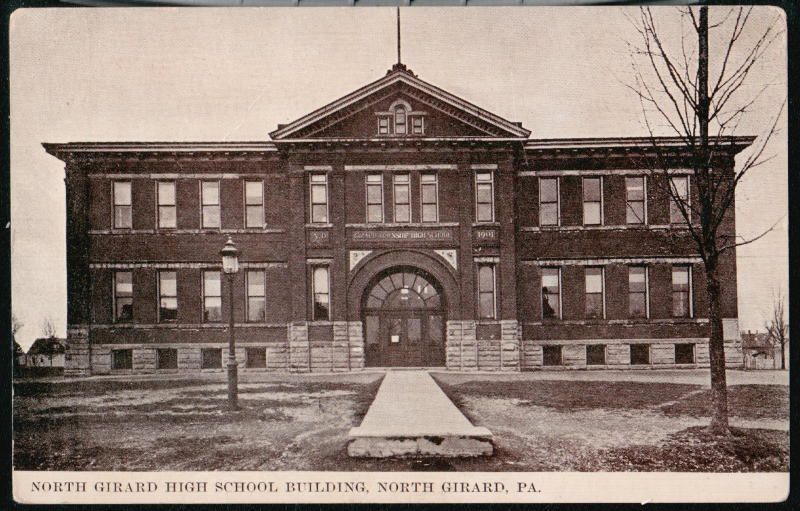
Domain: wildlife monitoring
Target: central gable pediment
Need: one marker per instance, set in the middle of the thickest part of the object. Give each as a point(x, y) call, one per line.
point(399, 105)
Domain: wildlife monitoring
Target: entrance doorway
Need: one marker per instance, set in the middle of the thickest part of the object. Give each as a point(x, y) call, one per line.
point(404, 320)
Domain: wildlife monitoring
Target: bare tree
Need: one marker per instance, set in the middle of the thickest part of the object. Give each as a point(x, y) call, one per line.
point(16, 325)
point(48, 328)
point(702, 110)
point(777, 327)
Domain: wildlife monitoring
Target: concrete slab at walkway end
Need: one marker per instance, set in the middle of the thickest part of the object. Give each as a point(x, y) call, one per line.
point(411, 416)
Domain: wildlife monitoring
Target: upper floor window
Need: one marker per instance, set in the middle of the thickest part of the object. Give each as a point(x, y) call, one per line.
point(123, 217)
point(167, 296)
point(681, 292)
point(165, 190)
point(256, 296)
point(417, 125)
point(679, 196)
point(430, 197)
point(551, 293)
point(592, 201)
point(548, 201)
point(638, 306)
point(374, 183)
point(320, 293)
point(254, 203)
point(635, 196)
point(400, 119)
point(209, 199)
point(383, 125)
point(402, 198)
point(212, 296)
point(595, 301)
point(319, 198)
point(123, 296)
point(486, 291)
point(484, 196)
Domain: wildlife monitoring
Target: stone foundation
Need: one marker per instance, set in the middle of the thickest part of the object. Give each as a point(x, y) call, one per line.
point(483, 346)
point(77, 360)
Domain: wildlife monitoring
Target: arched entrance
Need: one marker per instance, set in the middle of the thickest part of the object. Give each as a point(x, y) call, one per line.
point(404, 317)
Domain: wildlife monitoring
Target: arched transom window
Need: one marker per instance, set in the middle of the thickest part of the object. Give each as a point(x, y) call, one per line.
point(404, 290)
point(401, 120)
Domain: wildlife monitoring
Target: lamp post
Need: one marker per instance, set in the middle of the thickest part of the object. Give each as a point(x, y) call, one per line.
point(230, 266)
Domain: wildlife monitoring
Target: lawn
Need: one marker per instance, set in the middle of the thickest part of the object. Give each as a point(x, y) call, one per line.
point(624, 426)
point(290, 422)
point(300, 422)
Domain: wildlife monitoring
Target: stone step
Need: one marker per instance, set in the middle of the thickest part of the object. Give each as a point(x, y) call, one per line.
point(412, 417)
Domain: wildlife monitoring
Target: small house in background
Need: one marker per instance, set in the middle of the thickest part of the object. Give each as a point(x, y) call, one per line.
point(759, 351)
point(20, 358)
point(46, 357)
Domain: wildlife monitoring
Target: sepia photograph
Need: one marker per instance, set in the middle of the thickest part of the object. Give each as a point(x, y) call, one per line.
point(409, 241)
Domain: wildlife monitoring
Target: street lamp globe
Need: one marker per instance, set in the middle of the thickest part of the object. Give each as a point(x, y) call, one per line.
point(230, 257)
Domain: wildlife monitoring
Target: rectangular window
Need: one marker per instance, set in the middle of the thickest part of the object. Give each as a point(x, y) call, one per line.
point(255, 358)
point(209, 198)
point(548, 201)
point(383, 125)
point(551, 355)
point(640, 354)
point(210, 358)
point(165, 190)
point(123, 296)
point(551, 292)
point(595, 354)
point(484, 197)
point(486, 291)
point(592, 201)
point(684, 353)
point(635, 200)
point(212, 296)
point(123, 215)
point(320, 284)
point(122, 359)
point(254, 204)
point(374, 184)
point(319, 198)
point(679, 186)
point(681, 292)
point(417, 125)
point(402, 198)
point(166, 358)
point(595, 306)
point(167, 296)
point(638, 303)
point(429, 184)
point(256, 296)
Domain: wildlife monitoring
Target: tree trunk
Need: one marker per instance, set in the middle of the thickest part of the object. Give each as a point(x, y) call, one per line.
point(716, 352)
point(783, 355)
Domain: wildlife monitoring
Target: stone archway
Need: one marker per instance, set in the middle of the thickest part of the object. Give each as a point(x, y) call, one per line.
point(404, 318)
point(416, 315)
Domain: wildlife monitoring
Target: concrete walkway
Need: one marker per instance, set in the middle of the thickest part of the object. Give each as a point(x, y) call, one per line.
point(412, 416)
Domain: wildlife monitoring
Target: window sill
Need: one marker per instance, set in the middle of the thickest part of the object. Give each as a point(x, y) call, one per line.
point(318, 226)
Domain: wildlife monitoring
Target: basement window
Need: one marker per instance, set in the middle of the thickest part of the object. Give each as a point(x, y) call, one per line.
point(551, 355)
point(684, 353)
point(122, 359)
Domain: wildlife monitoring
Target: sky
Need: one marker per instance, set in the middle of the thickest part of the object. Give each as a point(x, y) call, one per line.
point(176, 74)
